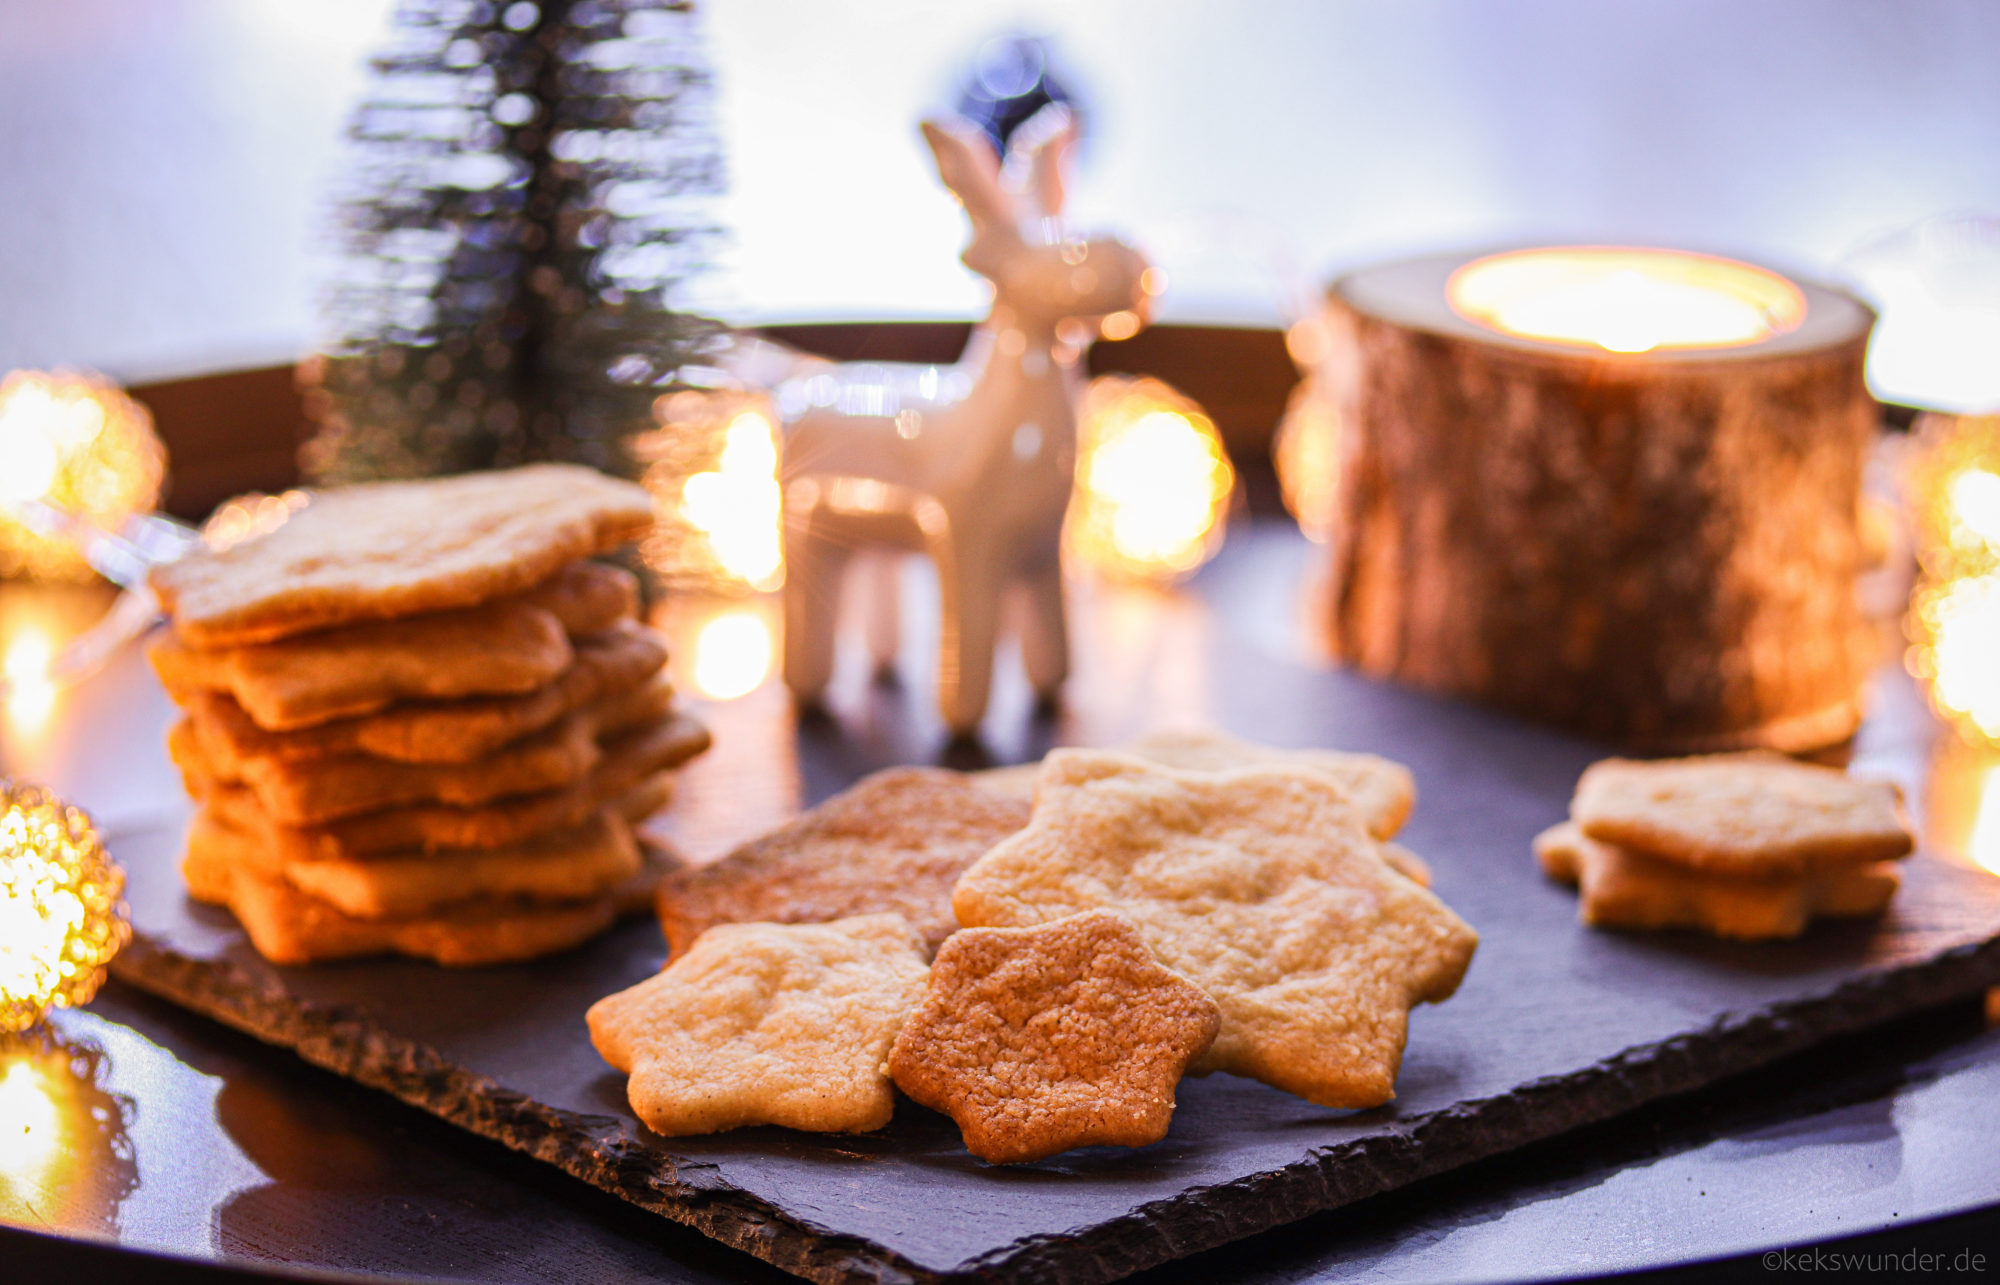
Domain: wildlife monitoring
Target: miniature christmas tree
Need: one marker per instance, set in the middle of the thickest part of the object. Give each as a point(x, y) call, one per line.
point(532, 182)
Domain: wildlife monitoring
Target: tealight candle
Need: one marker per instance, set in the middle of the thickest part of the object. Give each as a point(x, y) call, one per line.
point(1615, 489)
point(1626, 300)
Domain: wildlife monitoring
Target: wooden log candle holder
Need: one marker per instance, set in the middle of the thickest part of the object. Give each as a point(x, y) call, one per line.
point(1585, 489)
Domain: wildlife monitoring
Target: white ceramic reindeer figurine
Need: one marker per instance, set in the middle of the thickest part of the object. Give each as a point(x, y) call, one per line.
point(979, 484)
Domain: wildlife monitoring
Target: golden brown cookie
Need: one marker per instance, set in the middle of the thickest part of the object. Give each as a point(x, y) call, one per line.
point(628, 778)
point(1382, 790)
point(767, 1024)
point(1625, 889)
point(620, 658)
point(391, 549)
point(509, 647)
point(897, 841)
point(314, 792)
point(289, 926)
point(1037, 1040)
point(1754, 813)
point(1260, 886)
point(572, 864)
point(1407, 864)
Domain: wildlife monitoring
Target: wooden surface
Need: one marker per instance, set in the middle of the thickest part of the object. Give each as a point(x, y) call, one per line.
point(1177, 657)
point(1659, 549)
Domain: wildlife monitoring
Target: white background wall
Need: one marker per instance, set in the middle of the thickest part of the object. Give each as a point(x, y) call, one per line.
point(163, 162)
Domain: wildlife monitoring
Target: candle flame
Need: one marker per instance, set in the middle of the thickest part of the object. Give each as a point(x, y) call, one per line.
point(1626, 300)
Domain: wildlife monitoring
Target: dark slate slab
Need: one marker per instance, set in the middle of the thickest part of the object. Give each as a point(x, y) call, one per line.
point(1555, 1027)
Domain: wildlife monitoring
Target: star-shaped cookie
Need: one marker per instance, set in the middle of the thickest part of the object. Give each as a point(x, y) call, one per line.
point(767, 1024)
point(896, 842)
point(1037, 1040)
point(1262, 887)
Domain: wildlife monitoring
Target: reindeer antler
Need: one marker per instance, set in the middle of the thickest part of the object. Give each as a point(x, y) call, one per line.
point(966, 163)
point(1037, 156)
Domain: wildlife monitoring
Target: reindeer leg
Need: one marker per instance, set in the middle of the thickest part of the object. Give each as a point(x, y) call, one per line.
point(970, 582)
point(882, 618)
point(1044, 629)
point(813, 568)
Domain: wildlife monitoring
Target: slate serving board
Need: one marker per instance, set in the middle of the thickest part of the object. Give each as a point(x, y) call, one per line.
point(1556, 1026)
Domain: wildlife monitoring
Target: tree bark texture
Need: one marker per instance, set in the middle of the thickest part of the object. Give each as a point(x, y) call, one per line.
point(1660, 550)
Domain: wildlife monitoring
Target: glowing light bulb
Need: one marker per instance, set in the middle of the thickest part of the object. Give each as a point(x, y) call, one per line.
point(713, 472)
point(732, 654)
point(78, 442)
point(1153, 482)
point(60, 917)
point(1975, 505)
point(31, 690)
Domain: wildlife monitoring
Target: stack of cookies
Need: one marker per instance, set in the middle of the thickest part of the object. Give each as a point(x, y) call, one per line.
point(419, 720)
point(1749, 846)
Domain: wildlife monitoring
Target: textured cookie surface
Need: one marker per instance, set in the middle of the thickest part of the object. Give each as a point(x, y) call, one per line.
point(576, 863)
point(1751, 813)
point(287, 925)
point(767, 1024)
point(389, 549)
point(509, 647)
point(1262, 887)
point(1620, 888)
point(627, 778)
point(316, 791)
point(1382, 790)
point(461, 731)
point(896, 842)
point(1037, 1040)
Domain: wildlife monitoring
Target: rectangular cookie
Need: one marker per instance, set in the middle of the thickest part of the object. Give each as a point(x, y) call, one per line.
point(461, 731)
point(506, 647)
point(391, 549)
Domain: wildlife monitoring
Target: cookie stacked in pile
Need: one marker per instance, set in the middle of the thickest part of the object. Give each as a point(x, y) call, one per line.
point(418, 719)
point(1750, 846)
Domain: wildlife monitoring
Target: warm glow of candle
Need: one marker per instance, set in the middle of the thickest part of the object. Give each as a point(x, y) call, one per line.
point(1626, 300)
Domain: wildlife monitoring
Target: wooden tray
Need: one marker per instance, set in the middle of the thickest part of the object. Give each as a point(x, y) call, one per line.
point(1555, 1027)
